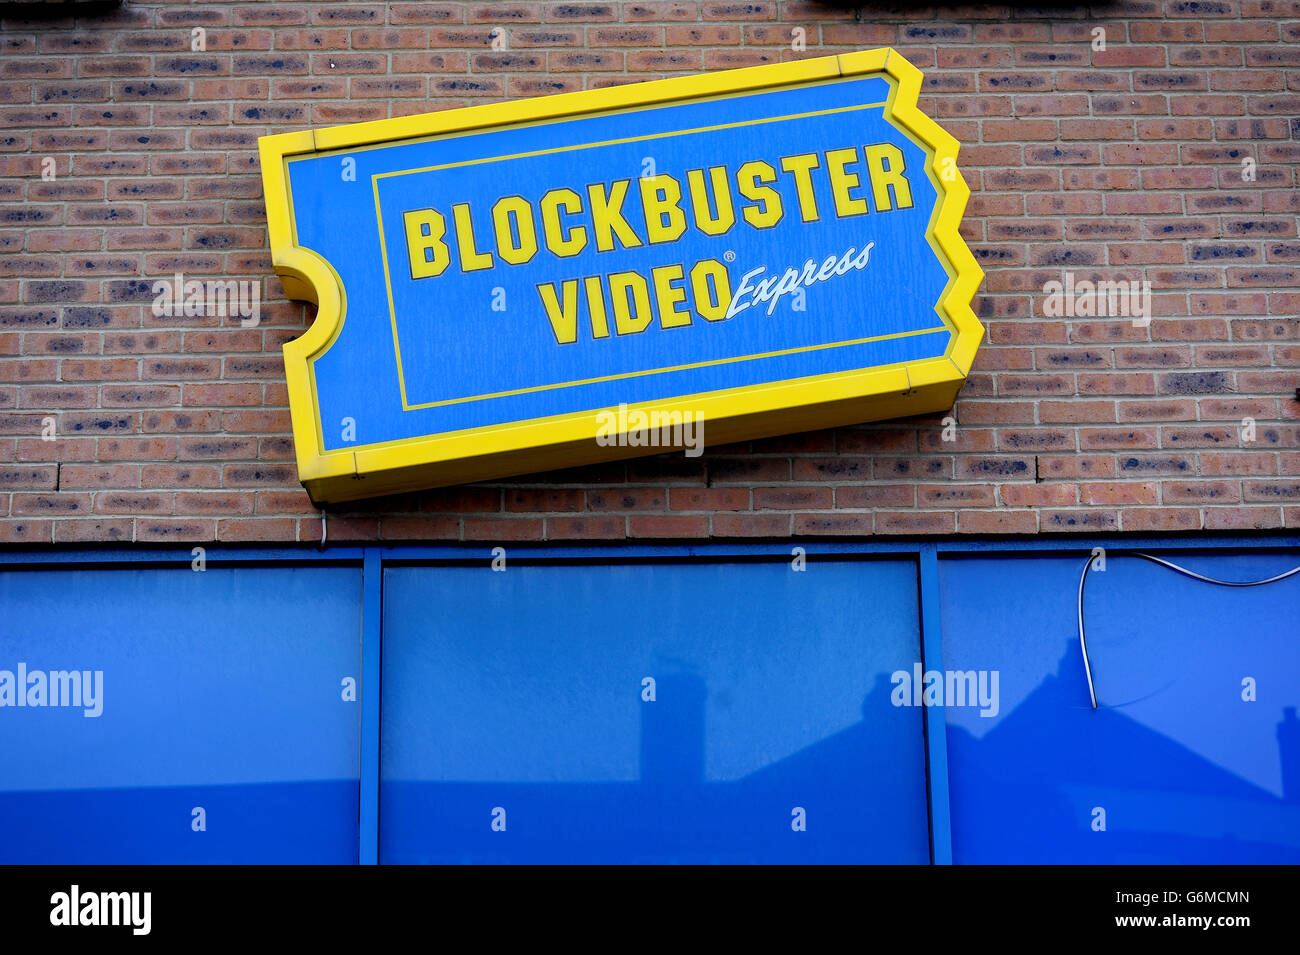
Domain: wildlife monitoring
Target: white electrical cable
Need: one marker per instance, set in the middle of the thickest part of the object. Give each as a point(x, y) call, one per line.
point(1083, 643)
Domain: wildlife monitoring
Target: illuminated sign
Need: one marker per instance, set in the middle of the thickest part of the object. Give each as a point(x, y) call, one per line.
point(522, 286)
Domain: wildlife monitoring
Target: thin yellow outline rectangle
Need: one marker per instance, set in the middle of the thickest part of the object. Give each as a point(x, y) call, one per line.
point(388, 282)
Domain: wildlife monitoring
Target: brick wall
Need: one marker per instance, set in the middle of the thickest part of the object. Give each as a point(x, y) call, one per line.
point(1123, 164)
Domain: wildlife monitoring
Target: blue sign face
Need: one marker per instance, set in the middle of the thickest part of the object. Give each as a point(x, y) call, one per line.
point(641, 254)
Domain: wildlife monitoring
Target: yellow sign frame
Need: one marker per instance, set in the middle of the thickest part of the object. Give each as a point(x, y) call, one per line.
point(541, 444)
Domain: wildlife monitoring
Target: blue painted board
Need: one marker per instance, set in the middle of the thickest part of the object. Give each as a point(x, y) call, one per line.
point(522, 691)
point(468, 349)
point(220, 689)
point(1185, 769)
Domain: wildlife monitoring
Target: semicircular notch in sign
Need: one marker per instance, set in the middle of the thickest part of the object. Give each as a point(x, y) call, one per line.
point(544, 283)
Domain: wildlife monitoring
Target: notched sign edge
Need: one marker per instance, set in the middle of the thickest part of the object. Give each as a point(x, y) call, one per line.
point(568, 440)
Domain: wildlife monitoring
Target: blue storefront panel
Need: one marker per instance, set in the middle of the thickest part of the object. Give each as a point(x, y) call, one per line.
point(1193, 753)
point(209, 725)
point(519, 723)
point(651, 703)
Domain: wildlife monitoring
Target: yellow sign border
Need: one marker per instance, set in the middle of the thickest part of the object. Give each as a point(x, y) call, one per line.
point(567, 440)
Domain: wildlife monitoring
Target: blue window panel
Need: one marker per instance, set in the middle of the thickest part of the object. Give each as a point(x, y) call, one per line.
point(1185, 769)
point(522, 691)
point(221, 690)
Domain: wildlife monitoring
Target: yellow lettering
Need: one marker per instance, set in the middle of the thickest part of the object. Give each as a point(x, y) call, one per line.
point(425, 229)
point(563, 318)
point(630, 316)
point(607, 216)
point(842, 181)
point(704, 217)
point(521, 211)
point(562, 245)
point(669, 296)
point(471, 260)
point(801, 168)
point(661, 198)
point(885, 166)
point(596, 306)
point(713, 306)
point(747, 181)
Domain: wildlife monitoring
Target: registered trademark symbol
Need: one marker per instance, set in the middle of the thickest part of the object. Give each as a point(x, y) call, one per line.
point(729, 255)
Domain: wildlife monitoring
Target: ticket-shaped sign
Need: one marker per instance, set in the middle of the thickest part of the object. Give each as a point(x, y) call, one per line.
point(539, 284)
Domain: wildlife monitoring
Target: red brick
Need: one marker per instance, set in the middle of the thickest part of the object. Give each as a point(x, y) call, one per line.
point(708, 499)
point(997, 522)
point(626, 499)
point(1123, 493)
point(411, 528)
point(78, 531)
point(1123, 163)
point(529, 499)
point(1039, 495)
point(955, 495)
point(833, 525)
point(26, 531)
point(916, 522)
point(1200, 492)
point(586, 527)
point(875, 495)
point(256, 529)
point(1242, 518)
point(655, 526)
point(1078, 521)
point(752, 525)
point(798, 498)
point(1160, 519)
point(503, 529)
